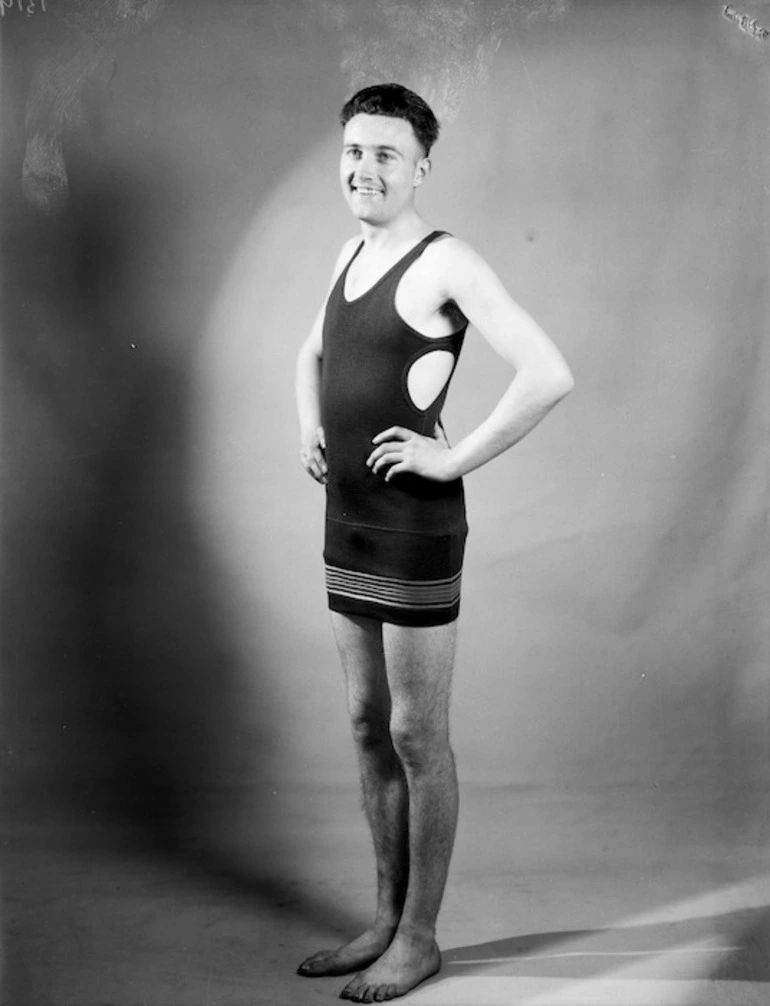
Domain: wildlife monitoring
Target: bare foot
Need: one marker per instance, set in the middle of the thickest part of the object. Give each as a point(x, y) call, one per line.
point(360, 952)
point(408, 961)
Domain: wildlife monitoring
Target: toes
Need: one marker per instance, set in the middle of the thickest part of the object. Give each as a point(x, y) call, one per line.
point(380, 993)
point(320, 955)
point(310, 964)
point(351, 988)
point(355, 990)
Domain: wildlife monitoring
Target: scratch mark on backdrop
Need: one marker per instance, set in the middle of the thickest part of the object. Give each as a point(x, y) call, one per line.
point(747, 24)
point(90, 30)
point(439, 48)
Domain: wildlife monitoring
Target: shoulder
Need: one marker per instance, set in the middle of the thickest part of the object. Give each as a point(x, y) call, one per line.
point(350, 246)
point(346, 253)
point(451, 252)
point(456, 265)
point(344, 256)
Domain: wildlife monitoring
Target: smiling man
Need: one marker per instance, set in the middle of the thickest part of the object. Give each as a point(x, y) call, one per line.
point(371, 381)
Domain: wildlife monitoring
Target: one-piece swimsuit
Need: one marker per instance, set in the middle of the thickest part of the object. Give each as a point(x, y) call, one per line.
point(393, 550)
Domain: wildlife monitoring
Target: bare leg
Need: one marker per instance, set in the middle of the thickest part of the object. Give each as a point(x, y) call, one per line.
point(384, 786)
point(419, 664)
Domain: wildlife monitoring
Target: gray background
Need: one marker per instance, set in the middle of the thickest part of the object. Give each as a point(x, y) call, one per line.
point(171, 217)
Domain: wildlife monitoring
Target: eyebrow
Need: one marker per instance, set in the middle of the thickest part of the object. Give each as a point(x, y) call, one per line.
point(381, 146)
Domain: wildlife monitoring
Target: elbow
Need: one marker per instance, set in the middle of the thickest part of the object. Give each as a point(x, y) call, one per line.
point(556, 385)
point(562, 383)
point(548, 379)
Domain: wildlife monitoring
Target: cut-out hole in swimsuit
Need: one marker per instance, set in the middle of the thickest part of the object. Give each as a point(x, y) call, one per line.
point(427, 376)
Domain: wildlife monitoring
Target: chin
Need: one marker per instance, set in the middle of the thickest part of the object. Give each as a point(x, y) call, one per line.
point(365, 216)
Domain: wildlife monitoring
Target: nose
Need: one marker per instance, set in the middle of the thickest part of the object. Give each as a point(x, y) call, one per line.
point(366, 166)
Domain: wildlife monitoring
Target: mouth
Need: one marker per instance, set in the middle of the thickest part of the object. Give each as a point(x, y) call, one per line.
point(366, 190)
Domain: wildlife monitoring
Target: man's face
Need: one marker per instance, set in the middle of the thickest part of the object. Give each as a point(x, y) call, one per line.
point(382, 163)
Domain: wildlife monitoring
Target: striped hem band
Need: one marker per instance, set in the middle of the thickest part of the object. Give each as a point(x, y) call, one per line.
point(392, 591)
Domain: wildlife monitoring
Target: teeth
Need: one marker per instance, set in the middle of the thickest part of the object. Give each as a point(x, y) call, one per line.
point(367, 192)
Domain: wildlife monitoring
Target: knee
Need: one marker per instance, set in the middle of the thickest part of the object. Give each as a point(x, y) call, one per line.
point(370, 726)
point(420, 744)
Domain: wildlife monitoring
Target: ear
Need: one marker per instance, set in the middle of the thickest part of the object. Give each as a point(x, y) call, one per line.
point(421, 171)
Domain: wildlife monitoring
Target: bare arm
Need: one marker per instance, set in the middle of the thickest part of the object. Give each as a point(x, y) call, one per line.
point(308, 394)
point(541, 376)
point(308, 386)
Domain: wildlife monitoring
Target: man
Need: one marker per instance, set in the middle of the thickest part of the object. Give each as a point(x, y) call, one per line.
point(371, 380)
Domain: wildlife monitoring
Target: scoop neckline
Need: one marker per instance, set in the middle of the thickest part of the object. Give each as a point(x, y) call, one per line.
point(387, 272)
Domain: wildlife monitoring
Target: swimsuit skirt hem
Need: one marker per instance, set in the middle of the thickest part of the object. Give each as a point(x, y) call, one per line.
point(393, 576)
point(395, 616)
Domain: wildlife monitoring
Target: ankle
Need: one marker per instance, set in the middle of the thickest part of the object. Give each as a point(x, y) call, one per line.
point(412, 932)
point(386, 923)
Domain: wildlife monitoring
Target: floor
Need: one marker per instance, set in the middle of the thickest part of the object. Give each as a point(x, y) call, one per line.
point(626, 897)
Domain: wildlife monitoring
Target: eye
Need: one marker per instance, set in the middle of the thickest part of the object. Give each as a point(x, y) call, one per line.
point(354, 152)
point(383, 156)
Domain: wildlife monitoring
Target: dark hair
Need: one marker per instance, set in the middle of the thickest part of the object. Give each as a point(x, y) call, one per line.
point(399, 103)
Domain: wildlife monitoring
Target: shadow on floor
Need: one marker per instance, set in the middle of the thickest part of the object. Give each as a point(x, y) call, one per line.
point(127, 705)
point(750, 962)
point(285, 895)
point(741, 939)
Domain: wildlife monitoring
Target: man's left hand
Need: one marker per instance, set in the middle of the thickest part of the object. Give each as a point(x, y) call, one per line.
point(406, 451)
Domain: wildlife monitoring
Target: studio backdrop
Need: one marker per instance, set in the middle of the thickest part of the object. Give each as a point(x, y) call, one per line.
point(173, 218)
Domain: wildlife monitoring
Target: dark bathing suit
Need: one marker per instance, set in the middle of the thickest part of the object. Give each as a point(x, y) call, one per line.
point(393, 550)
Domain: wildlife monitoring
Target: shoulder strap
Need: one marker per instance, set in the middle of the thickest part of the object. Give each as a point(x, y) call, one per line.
point(414, 254)
point(339, 283)
point(352, 257)
point(432, 237)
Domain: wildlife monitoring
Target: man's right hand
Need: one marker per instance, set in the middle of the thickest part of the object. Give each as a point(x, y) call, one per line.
point(311, 454)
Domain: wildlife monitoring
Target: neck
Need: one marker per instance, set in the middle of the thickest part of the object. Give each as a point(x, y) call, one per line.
point(381, 237)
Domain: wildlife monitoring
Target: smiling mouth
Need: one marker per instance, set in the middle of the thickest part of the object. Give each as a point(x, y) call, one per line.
point(365, 190)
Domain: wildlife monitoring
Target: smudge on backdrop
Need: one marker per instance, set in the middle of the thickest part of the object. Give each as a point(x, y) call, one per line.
point(441, 49)
point(84, 50)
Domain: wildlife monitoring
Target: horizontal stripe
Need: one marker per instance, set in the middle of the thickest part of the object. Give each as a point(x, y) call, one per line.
point(351, 590)
point(405, 605)
point(393, 591)
point(396, 589)
point(375, 578)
